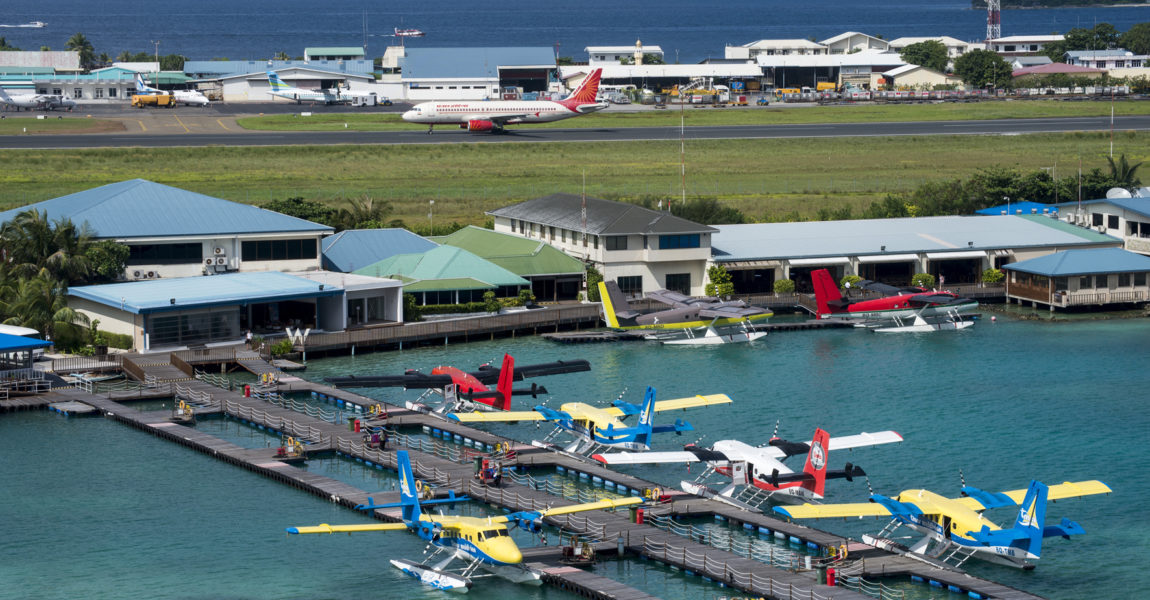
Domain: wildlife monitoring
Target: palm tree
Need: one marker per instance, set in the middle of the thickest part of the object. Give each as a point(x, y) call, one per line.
point(281, 55)
point(1123, 173)
point(79, 43)
point(33, 245)
point(363, 212)
point(42, 304)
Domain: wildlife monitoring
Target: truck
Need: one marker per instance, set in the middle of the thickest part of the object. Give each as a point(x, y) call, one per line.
point(142, 100)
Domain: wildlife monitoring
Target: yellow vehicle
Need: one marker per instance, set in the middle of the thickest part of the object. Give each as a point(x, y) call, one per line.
point(142, 100)
point(787, 91)
point(824, 86)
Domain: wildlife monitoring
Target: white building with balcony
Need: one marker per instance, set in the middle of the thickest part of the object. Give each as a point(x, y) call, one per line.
point(643, 249)
point(1127, 219)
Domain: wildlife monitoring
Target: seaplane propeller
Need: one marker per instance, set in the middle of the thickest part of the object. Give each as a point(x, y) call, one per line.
point(961, 480)
point(869, 489)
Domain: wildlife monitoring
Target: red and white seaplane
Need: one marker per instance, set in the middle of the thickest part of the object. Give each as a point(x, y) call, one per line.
point(757, 473)
point(463, 391)
point(907, 308)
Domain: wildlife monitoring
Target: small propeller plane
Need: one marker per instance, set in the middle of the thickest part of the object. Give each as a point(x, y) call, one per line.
point(482, 542)
point(761, 468)
point(897, 303)
point(685, 312)
point(958, 526)
point(594, 427)
point(471, 389)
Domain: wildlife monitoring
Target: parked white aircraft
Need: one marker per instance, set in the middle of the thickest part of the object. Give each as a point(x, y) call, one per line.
point(194, 97)
point(36, 101)
point(494, 115)
point(300, 95)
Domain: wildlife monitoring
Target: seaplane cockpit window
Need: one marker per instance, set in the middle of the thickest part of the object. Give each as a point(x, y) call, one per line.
point(493, 533)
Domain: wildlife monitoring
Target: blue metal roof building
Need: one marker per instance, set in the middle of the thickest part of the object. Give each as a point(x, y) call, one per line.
point(1080, 278)
point(1019, 208)
point(234, 289)
point(140, 208)
point(353, 249)
point(470, 63)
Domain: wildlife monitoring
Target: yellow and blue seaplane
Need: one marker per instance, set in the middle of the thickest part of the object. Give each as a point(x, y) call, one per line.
point(595, 428)
point(956, 526)
point(482, 542)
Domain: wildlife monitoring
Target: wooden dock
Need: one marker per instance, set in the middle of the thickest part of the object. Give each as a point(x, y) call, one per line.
point(436, 463)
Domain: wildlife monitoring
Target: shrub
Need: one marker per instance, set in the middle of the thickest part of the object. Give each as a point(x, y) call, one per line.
point(490, 304)
point(525, 297)
point(784, 286)
point(849, 279)
point(283, 346)
point(922, 280)
point(593, 279)
point(993, 276)
point(720, 285)
point(411, 311)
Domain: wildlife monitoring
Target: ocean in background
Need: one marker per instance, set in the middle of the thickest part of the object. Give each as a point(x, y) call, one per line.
point(687, 30)
point(90, 508)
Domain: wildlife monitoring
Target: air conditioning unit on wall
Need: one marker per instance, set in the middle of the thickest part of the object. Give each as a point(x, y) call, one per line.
point(221, 261)
point(220, 252)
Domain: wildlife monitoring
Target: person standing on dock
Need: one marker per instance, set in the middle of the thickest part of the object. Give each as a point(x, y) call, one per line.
point(248, 339)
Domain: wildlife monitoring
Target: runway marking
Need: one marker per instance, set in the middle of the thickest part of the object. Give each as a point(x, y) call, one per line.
point(186, 130)
point(221, 122)
point(142, 128)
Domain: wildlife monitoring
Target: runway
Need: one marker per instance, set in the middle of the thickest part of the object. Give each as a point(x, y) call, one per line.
point(192, 136)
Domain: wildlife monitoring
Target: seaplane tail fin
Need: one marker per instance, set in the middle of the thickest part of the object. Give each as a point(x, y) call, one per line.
point(816, 465)
point(1032, 516)
point(613, 301)
point(503, 387)
point(408, 494)
point(646, 418)
point(825, 291)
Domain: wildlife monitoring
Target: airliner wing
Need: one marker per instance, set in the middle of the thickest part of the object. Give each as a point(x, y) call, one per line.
point(692, 402)
point(643, 458)
point(498, 120)
point(325, 528)
point(498, 417)
point(977, 499)
point(828, 511)
point(864, 439)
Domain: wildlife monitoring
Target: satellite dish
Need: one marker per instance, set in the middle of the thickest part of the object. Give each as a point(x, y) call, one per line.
point(1118, 193)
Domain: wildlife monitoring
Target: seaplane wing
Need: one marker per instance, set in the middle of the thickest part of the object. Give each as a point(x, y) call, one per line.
point(833, 511)
point(976, 499)
point(574, 508)
point(883, 288)
point(644, 458)
point(691, 402)
point(325, 528)
point(675, 298)
point(935, 300)
point(506, 416)
point(860, 440)
point(728, 312)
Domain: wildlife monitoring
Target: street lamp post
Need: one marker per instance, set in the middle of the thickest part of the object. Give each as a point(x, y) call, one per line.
point(157, 43)
point(1006, 199)
point(431, 215)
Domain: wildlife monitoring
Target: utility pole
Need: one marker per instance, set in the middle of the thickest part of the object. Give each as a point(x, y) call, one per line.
point(157, 43)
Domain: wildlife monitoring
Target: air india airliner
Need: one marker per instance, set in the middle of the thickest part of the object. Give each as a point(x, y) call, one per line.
point(494, 115)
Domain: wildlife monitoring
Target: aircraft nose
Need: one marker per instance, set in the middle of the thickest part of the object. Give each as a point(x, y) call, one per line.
point(409, 115)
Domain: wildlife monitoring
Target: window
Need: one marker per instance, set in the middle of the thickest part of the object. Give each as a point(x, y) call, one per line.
point(1112, 221)
point(98, 92)
point(77, 92)
point(595, 240)
point(165, 254)
point(1096, 219)
point(670, 242)
point(42, 91)
point(1123, 280)
point(551, 233)
point(563, 235)
point(631, 285)
point(1008, 48)
point(279, 249)
point(616, 242)
point(57, 91)
point(111, 92)
point(679, 282)
point(512, 225)
point(1061, 284)
point(1139, 279)
point(1084, 282)
point(1100, 281)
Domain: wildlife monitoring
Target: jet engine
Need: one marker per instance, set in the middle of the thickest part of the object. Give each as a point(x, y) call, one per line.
point(479, 125)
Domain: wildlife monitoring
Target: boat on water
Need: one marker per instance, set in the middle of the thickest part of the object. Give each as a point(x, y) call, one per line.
point(408, 33)
point(96, 378)
point(31, 25)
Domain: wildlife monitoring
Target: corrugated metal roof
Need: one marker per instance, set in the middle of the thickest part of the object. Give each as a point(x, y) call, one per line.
point(443, 263)
point(456, 63)
point(1084, 262)
point(11, 343)
point(157, 295)
point(604, 217)
point(766, 241)
point(1135, 205)
point(1055, 68)
point(519, 255)
point(139, 208)
point(617, 71)
point(334, 51)
point(1014, 207)
point(67, 60)
point(353, 248)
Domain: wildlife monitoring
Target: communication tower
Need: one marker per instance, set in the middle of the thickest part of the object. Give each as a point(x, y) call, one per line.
point(993, 21)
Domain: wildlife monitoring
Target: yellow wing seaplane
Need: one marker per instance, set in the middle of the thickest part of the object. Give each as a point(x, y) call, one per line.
point(595, 428)
point(957, 526)
point(684, 312)
point(481, 542)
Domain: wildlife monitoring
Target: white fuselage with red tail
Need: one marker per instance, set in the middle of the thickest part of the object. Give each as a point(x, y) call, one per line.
point(494, 115)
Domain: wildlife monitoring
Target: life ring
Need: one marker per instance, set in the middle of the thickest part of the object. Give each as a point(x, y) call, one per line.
point(418, 486)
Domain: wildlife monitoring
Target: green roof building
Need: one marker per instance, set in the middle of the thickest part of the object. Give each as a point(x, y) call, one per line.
point(554, 275)
point(447, 275)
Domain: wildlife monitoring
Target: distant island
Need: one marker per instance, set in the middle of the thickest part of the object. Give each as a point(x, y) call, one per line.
point(981, 4)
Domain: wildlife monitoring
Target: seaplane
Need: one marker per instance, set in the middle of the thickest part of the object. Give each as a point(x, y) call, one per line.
point(470, 392)
point(686, 312)
point(956, 527)
point(710, 336)
point(481, 542)
point(594, 428)
point(904, 303)
point(757, 473)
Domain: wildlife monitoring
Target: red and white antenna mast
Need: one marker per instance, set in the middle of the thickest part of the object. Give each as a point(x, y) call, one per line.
point(993, 21)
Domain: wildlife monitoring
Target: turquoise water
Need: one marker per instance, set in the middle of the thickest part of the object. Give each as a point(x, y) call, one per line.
point(93, 509)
